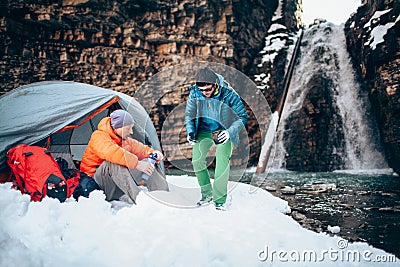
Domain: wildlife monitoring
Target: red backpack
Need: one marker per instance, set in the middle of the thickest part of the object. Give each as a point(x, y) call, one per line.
point(37, 173)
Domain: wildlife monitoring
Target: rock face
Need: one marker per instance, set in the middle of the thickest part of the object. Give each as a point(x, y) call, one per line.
point(373, 41)
point(270, 65)
point(115, 45)
point(118, 45)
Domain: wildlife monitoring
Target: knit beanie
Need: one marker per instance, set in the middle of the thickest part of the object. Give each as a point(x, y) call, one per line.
point(206, 75)
point(121, 118)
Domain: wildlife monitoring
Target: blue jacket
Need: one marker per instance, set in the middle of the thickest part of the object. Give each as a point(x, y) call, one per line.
point(225, 108)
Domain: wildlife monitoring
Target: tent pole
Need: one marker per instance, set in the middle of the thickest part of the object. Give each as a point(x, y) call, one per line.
point(276, 116)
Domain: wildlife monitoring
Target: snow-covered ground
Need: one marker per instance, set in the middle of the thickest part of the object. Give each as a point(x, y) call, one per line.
point(92, 232)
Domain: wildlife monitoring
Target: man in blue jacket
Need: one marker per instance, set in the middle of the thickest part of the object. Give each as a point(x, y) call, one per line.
point(214, 114)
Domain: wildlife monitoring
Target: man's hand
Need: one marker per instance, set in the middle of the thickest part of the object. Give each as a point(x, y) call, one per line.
point(191, 139)
point(160, 155)
point(145, 166)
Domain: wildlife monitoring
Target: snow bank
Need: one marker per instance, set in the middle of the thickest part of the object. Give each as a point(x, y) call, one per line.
point(93, 232)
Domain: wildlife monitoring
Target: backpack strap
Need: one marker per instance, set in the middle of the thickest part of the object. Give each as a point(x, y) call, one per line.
point(17, 182)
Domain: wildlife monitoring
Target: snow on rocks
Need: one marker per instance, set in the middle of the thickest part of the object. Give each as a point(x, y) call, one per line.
point(334, 229)
point(378, 31)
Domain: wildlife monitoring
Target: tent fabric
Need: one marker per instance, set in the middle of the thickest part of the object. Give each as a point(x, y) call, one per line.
point(33, 112)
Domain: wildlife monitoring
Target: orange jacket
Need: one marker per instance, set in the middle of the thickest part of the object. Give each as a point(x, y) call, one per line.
point(104, 145)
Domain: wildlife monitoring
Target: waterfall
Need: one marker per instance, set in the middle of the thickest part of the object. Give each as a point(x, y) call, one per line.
point(352, 137)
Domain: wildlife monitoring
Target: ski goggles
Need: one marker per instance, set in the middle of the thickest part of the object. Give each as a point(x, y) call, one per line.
point(205, 87)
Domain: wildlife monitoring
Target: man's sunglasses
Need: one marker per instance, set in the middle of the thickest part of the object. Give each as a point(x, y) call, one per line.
point(200, 85)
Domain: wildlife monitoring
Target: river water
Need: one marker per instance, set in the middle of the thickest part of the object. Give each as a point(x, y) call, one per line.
point(364, 204)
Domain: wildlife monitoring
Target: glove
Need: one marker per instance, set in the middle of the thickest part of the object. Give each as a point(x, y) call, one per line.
point(223, 137)
point(191, 139)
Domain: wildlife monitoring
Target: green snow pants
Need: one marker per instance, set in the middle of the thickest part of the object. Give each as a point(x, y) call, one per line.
point(222, 168)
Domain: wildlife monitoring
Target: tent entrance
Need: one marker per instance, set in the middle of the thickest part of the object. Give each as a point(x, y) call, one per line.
point(70, 142)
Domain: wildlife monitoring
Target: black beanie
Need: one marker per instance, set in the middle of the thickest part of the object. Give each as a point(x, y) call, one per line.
point(206, 75)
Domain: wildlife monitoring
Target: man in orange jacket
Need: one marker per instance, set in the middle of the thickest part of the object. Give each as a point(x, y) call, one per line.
point(116, 161)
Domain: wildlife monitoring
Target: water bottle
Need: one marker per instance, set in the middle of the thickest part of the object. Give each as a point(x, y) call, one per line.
point(152, 159)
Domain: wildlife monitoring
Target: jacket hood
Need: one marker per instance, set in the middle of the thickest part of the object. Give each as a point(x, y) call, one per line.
point(221, 79)
point(105, 126)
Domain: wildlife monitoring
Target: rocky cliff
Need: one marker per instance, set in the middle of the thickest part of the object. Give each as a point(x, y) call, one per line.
point(374, 42)
point(115, 45)
point(118, 45)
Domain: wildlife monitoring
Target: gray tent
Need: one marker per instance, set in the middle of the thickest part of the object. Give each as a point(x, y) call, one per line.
point(62, 116)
